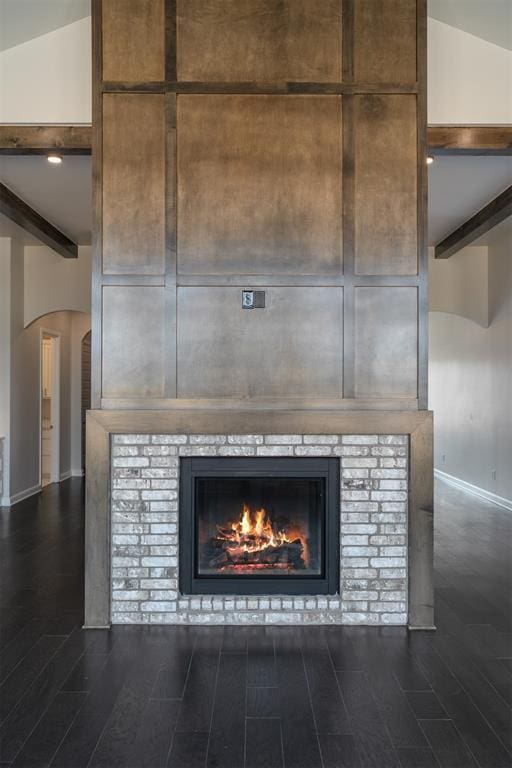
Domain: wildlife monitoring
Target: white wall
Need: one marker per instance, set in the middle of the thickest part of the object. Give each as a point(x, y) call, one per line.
point(460, 285)
point(469, 79)
point(53, 283)
point(20, 374)
point(471, 385)
point(48, 79)
point(5, 354)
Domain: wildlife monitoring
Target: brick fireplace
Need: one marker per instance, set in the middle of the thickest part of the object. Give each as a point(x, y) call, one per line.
point(369, 537)
point(259, 292)
point(383, 542)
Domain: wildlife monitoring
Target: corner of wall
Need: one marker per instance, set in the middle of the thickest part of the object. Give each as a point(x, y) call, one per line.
point(5, 360)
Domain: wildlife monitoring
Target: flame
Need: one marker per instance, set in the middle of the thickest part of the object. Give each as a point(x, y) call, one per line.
point(256, 532)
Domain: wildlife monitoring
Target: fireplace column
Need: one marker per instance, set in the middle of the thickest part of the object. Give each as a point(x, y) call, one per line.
point(259, 236)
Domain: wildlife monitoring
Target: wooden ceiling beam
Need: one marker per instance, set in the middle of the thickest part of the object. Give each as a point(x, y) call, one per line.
point(492, 214)
point(22, 214)
point(77, 139)
point(469, 140)
point(44, 139)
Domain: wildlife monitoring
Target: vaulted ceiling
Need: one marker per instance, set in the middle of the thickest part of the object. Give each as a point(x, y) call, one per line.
point(61, 194)
point(461, 186)
point(22, 20)
point(490, 20)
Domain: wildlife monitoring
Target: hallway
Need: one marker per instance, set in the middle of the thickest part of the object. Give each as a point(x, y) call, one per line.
point(240, 697)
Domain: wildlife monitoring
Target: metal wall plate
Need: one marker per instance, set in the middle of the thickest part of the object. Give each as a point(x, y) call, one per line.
point(247, 299)
point(253, 299)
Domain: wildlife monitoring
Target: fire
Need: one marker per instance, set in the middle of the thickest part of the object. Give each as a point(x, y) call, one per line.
point(252, 533)
point(254, 542)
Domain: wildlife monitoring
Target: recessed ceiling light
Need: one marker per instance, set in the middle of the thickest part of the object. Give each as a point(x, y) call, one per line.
point(54, 159)
point(430, 160)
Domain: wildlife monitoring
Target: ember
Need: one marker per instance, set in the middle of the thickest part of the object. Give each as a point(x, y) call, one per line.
point(255, 543)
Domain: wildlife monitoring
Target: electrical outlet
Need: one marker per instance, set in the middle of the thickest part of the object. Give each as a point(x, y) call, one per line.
point(443, 457)
point(493, 474)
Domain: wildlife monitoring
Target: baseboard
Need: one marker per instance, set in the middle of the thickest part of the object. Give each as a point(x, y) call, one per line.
point(6, 501)
point(474, 490)
point(21, 496)
point(71, 473)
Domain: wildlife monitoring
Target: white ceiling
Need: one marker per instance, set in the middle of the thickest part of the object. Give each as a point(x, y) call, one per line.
point(490, 20)
point(22, 20)
point(460, 186)
point(60, 193)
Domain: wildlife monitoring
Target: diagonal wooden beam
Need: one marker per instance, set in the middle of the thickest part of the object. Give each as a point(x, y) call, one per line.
point(492, 214)
point(469, 140)
point(18, 211)
point(42, 139)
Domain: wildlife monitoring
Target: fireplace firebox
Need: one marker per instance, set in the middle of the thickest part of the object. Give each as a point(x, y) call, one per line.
point(259, 525)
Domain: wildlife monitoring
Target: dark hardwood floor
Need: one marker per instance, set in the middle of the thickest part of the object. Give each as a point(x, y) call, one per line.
point(139, 697)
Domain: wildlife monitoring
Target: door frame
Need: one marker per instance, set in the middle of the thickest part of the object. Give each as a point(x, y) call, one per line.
point(55, 405)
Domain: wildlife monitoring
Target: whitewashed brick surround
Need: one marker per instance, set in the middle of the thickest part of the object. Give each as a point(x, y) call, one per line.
point(145, 545)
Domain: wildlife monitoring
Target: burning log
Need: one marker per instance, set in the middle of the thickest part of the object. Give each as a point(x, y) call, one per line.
point(254, 543)
point(288, 554)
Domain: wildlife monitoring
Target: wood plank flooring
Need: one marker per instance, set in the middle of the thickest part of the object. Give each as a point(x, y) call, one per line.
point(253, 697)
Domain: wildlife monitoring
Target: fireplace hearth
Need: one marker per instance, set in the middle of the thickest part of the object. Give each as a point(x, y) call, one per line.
point(259, 525)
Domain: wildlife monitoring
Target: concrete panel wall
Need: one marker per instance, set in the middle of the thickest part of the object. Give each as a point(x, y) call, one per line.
point(261, 146)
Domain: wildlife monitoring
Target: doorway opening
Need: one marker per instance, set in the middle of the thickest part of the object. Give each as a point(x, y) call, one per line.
point(85, 388)
point(50, 408)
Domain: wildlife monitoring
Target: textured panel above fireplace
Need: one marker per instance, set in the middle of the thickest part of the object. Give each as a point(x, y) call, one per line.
point(372, 508)
point(260, 165)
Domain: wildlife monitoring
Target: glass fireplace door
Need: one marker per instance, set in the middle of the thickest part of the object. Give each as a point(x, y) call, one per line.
point(259, 525)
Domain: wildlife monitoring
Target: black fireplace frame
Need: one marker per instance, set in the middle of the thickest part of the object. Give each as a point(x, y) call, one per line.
point(325, 468)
